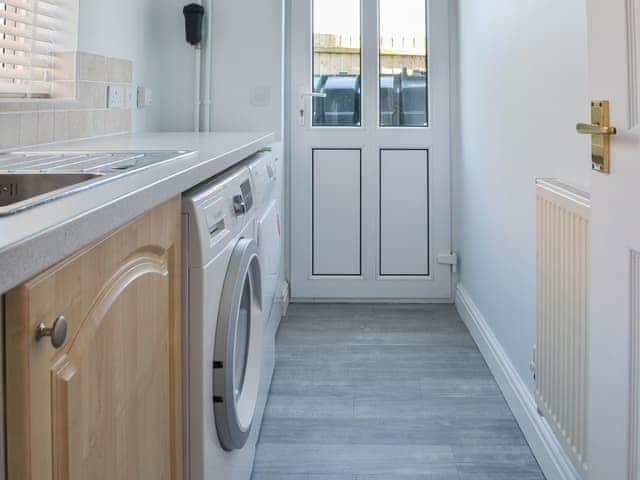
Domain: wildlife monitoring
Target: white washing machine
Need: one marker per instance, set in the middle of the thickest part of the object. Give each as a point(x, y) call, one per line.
point(264, 174)
point(223, 321)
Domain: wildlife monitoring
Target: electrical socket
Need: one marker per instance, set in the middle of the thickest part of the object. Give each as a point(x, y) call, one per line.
point(116, 96)
point(145, 97)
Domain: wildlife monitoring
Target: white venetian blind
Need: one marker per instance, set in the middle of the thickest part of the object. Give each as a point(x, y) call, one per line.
point(29, 30)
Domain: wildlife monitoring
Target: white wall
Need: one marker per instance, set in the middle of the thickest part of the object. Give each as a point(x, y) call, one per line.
point(522, 78)
point(248, 53)
point(151, 34)
point(247, 57)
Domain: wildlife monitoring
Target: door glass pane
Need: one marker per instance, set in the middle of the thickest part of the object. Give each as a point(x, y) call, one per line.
point(336, 62)
point(403, 63)
point(243, 330)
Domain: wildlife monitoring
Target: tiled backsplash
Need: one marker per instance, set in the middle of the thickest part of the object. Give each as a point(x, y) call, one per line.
point(35, 122)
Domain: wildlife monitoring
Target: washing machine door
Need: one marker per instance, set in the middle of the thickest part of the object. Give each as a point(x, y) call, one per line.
point(238, 347)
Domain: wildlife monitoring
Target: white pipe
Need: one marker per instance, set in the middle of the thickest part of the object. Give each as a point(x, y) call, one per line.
point(196, 92)
point(196, 85)
point(208, 53)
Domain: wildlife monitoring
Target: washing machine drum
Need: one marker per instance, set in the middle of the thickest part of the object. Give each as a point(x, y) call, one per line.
point(238, 347)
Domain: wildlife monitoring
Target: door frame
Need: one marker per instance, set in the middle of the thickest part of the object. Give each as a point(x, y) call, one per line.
point(440, 193)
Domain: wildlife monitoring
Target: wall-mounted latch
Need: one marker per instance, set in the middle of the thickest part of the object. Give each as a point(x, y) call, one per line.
point(600, 130)
point(450, 258)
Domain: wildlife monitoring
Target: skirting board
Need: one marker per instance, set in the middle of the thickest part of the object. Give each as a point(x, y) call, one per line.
point(554, 463)
point(383, 301)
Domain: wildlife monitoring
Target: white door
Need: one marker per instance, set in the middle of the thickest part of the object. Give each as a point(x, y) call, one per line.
point(370, 149)
point(614, 380)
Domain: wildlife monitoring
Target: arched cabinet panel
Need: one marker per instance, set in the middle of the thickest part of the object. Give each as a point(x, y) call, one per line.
point(105, 404)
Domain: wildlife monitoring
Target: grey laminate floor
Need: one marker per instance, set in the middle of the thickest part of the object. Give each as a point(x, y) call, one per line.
point(385, 392)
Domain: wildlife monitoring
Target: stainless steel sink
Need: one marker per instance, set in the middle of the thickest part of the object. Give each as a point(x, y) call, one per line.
point(19, 187)
point(29, 179)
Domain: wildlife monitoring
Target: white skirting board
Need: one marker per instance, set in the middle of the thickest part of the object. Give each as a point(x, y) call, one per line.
point(554, 463)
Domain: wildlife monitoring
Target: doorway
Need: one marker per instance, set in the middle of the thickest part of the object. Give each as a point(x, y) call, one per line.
point(370, 166)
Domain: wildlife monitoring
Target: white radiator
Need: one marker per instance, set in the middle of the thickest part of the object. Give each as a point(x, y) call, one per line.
point(561, 354)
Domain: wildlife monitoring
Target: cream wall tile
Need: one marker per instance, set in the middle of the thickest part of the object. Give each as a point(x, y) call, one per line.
point(45, 127)
point(91, 67)
point(28, 128)
point(24, 106)
point(119, 70)
point(127, 121)
point(65, 66)
point(118, 121)
point(92, 95)
point(80, 123)
point(64, 89)
point(9, 130)
point(99, 95)
point(61, 126)
point(11, 107)
point(98, 125)
point(68, 104)
point(112, 121)
point(33, 105)
point(39, 105)
point(78, 109)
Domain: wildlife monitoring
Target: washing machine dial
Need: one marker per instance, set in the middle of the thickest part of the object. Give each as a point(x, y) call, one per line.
point(239, 205)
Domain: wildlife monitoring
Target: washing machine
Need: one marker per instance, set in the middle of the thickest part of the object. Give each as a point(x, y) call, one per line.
point(223, 328)
point(264, 170)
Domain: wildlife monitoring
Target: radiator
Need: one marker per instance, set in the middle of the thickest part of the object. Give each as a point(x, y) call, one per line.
point(561, 353)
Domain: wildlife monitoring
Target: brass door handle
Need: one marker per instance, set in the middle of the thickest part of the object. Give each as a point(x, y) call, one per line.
point(601, 132)
point(57, 332)
point(591, 129)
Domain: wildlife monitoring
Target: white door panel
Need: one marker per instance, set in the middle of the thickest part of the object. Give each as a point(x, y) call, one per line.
point(614, 363)
point(336, 212)
point(368, 105)
point(404, 227)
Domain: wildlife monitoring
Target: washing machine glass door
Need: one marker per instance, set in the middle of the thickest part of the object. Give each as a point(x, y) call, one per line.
point(238, 347)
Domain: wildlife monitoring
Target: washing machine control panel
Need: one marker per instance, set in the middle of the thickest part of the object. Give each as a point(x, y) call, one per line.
point(243, 202)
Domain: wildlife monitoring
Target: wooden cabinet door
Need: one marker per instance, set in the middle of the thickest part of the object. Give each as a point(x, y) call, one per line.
point(107, 403)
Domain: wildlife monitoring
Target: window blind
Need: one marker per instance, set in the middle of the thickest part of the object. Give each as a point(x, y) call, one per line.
point(30, 32)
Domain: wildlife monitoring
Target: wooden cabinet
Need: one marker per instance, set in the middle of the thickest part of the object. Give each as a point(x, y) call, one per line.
point(107, 403)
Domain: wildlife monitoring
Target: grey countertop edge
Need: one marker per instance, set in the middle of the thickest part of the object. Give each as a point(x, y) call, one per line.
point(122, 200)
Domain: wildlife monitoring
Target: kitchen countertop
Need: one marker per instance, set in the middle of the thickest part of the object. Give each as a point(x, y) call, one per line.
point(34, 240)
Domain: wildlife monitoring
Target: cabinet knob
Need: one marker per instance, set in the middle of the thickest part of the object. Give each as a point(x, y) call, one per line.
point(57, 332)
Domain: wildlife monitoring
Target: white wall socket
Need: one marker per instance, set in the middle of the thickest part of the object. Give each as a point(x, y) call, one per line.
point(116, 96)
point(128, 97)
point(145, 97)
